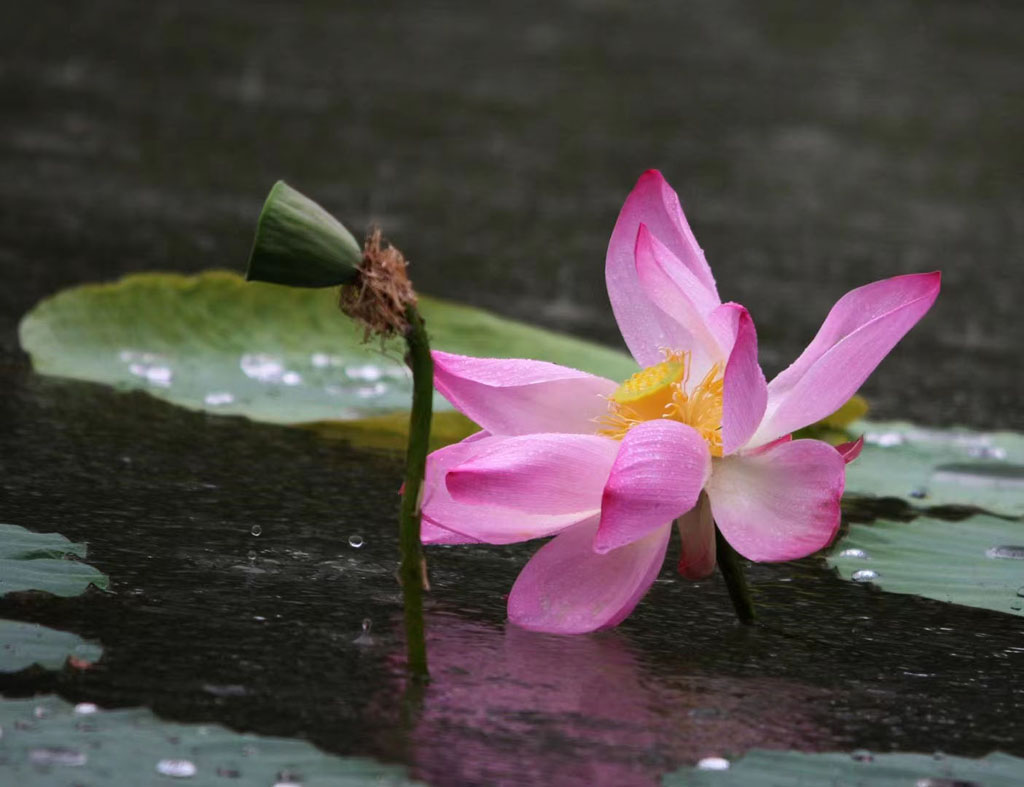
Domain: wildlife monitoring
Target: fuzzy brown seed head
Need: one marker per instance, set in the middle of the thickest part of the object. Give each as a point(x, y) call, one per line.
point(380, 295)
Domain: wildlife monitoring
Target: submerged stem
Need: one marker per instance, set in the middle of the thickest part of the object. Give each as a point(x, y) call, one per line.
point(735, 579)
point(412, 569)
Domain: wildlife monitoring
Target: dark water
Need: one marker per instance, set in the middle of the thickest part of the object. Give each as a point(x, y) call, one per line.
point(815, 149)
point(208, 622)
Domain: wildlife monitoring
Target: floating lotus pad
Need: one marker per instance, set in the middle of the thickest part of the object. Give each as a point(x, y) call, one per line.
point(978, 561)
point(796, 769)
point(42, 561)
point(940, 467)
point(23, 645)
point(46, 742)
point(278, 354)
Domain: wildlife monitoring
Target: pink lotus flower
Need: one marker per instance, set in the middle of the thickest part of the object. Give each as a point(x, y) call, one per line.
point(697, 437)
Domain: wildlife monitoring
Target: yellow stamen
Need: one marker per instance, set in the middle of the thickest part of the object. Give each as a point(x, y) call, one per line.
point(663, 391)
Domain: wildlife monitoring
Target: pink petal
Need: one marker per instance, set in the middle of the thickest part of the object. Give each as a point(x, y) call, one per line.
point(644, 329)
point(697, 535)
point(512, 396)
point(863, 326)
point(850, 451)
point(432, 534)
point(446, 521)
point(567, 588)
point(538, 474)
point(724, 322)
point(674, 289)
point(786, 438)
point(658, 474)
point(745, 393)
point(779, 504)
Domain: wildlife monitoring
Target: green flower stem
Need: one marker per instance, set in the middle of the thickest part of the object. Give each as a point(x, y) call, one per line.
point(732, 571)
point(412, 569)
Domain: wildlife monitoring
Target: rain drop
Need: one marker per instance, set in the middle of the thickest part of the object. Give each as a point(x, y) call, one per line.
point(320, 360)
point(355, 541)
point(256, 530)
point(856, 553)
point(864, 575)
point(57, 755)
point(1016, 606)
point(40, 712)
point(179, 769)
point(862, 755)
point(291, 378)
point(713, 764)
point(85, 709)
point(919, 492)
point(1006, 552)
point(365, 638)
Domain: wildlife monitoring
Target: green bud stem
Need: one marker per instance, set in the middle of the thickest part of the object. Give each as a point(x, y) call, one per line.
point(735, 580)
point(412, 568)
point(299, 244)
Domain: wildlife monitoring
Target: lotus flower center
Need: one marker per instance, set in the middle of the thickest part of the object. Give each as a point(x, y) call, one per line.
point(664, 391)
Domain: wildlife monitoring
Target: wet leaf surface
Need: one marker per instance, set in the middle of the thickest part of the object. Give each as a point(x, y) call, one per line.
point(978, 561)
point(928, 467)
point(48, 742)
point(215, 342)
point(23, 645)
point(42, 562)
point(796, 769)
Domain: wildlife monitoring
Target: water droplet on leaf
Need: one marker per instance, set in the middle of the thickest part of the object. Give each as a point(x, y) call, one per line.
point(219, 398)
point(355, 541)
point(85, 709)
point(261, 367)
point(855, 553)
point(713, 764)
point(256, 530)
point(1006, 553)
point(862, 755)
point(864, 575)
point(179, 769)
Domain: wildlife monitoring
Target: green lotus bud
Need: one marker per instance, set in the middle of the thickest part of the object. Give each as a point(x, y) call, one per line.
point(300, 244)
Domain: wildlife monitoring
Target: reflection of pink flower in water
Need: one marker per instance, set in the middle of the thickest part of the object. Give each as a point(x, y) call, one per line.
point(511, 707)
point(696, 437)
